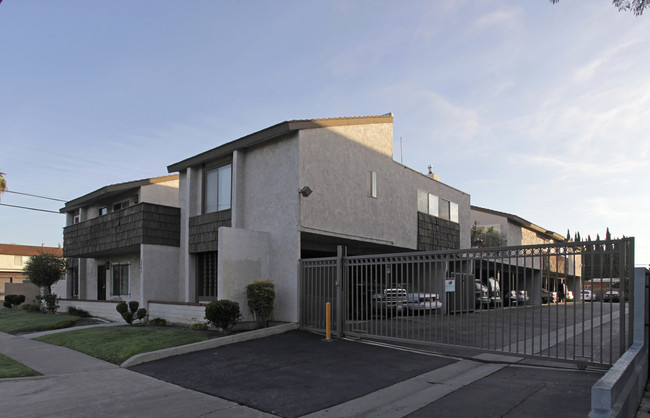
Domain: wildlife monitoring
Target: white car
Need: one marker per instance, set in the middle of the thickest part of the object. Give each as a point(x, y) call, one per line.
point(422, 302)
point(587, 296)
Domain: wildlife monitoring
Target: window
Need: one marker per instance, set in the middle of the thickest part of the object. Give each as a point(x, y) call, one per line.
point(103, 211)
point(121, 205)
point(74, 276)
point(76, 217)
point(207, 275)
point(371, 183)
point(435, 206)
point(120, 277)
point(217, 189)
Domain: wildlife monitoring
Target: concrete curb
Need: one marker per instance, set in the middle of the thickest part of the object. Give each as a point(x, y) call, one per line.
point(204, 345)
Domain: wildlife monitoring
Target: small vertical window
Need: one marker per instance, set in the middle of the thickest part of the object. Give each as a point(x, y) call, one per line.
point(433, 205)
point(371, 183)
point(423, 203)
point(444, 209)
point(120, 277)
point(103, 211)
point(453, 212)
point(217, 189)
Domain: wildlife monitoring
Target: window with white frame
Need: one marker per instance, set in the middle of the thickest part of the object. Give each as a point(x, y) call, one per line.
point(217, 188)
point(371, 183)
point(436, 206)
point(120, 279)
point(103, 210)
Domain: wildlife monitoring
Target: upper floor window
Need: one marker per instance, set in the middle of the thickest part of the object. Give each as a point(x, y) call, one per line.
point(371, 183)
point(436, 206)
point(217, 188)
point(103, 211)
point(121, 205)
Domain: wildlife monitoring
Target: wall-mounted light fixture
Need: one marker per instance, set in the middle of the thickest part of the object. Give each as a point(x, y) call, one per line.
point(305, 191)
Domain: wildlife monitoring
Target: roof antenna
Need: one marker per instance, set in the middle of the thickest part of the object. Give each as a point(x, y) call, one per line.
point(401, 152)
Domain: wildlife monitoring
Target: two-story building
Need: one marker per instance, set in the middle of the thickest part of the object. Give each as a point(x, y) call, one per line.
point(122, 242)
point(253, 207)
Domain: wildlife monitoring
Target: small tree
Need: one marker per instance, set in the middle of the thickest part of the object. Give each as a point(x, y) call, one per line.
point(44, 270)
point(260, 295)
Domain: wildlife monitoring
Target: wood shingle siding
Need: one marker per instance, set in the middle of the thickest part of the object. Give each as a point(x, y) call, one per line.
point(123, 230)
point(203, 231)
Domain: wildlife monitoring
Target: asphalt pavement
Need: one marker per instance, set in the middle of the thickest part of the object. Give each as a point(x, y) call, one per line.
point(292, 374)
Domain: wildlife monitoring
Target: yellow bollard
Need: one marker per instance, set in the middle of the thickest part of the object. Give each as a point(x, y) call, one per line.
point(328, 321)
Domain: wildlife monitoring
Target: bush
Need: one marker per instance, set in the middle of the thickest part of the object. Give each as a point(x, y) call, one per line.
point(60, 325)
point(223, 314)
point(12, 301)
point(157, 322)
point(32, 307)
point(50, 302)
point(130, 311)
point(260, 296)
point(78, 312)
point(199, 327)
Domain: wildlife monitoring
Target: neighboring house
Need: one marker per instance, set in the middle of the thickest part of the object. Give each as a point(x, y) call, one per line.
point(491, 228)
point(12, 260)
point(247, 212)
point(122, 242)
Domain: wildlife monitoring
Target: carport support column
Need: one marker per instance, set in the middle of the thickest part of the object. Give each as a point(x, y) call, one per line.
point(341, 252)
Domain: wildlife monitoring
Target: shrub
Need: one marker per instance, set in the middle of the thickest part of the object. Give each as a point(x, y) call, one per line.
point(158, 322)
point(12, 301)
point(260, 296)
point(50, 302)
point(72, 310)
point(32, 307)
point(199, 327)
point(223, 313)
point(60, 325)
point(130, 311)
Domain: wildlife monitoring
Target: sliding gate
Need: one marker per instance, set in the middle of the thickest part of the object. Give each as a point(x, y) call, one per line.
point(557, 301)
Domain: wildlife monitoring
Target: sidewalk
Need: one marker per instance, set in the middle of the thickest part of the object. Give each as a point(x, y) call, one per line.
point(290, 375)
point(76, 385)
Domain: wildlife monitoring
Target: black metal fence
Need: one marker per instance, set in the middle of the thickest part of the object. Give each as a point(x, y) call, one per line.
point(561, 301)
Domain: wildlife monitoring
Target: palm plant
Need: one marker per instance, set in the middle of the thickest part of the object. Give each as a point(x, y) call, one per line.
point(3, 183)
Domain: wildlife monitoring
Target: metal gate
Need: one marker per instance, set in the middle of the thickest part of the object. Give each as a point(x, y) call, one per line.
point(557, 301)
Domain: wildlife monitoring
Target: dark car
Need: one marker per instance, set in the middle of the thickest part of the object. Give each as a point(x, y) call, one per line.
point(510, 298)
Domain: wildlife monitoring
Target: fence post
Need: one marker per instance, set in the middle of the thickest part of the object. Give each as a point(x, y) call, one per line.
point(340, 253)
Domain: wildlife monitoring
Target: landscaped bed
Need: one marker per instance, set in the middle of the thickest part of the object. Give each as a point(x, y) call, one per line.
point(116, 344)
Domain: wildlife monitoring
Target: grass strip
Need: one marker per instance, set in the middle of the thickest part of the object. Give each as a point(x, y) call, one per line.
point(117, 344)
point(11, 368)
point(14, 321)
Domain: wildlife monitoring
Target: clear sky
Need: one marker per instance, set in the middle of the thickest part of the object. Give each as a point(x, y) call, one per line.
point(534, 109)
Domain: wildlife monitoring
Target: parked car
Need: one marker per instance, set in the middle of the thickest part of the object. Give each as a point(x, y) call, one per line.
point(389, 301)
point(587, 296)
point(510, 298)
point(417, 303)
point(611, 296)
point(482, 299)
point(549, 297)
point(569, 296)
point(522, 296)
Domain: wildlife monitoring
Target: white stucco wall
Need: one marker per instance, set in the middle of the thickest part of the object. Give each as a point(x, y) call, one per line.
point(165, 193)
point(160, 273)
point(243, 258)
point(88, 277)
point(267, 201)
point(335, 168)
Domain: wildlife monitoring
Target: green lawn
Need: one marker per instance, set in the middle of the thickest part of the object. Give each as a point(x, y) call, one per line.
point(14, 321)
point(11, 368)
point(116, 344)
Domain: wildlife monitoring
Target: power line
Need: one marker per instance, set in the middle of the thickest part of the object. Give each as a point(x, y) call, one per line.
point(35, 195)
point(25, 207)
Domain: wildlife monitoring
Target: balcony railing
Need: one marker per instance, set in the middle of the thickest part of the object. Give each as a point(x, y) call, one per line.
point(123, 231)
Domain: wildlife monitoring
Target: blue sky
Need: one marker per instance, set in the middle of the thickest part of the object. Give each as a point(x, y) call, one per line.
point(534, 109)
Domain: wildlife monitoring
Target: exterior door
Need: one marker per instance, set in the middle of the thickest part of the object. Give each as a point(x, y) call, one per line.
point(101, 282)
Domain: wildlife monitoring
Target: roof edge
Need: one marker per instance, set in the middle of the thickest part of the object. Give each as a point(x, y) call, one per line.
point(521, 221)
